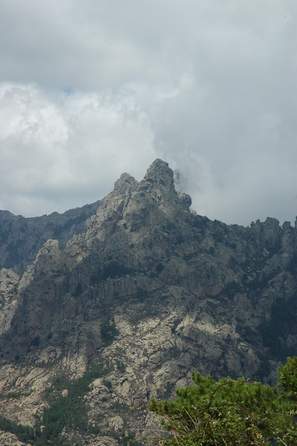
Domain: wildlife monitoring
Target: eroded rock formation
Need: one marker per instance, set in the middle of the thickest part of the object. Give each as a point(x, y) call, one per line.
point(146, 290)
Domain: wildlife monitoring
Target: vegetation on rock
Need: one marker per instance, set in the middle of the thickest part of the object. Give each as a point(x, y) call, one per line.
point(66, 411)
point(24, 433)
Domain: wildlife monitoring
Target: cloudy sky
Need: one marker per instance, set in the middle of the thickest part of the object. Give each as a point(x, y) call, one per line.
point(89, 89)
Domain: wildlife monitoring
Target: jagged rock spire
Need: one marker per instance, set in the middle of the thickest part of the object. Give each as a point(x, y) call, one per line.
point(125, 183)
point(160, 173)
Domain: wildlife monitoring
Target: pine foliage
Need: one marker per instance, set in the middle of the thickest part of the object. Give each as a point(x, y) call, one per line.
point(232, 412)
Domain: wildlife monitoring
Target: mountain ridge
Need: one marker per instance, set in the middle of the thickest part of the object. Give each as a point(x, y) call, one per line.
point(21, 237)
point(150, 291)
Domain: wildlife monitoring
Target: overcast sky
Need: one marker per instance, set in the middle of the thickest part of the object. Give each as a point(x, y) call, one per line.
point(92, 88)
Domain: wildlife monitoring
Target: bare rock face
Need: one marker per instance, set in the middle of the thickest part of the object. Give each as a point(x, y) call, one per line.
point(145, 291)
point(7, 439)
point(8, 297)
point(21, 238)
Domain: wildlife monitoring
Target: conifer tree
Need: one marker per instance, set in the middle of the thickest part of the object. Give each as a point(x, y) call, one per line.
point(232, 412)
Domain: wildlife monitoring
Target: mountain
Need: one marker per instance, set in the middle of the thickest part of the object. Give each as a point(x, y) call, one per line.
point(105, 306)
point(21, 238)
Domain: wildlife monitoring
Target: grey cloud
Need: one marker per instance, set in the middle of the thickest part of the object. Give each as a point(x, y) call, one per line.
point(69, 152)
point(209, 85)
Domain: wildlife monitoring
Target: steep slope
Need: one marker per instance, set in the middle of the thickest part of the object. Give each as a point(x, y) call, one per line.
point(147, 292)
point(21, 238)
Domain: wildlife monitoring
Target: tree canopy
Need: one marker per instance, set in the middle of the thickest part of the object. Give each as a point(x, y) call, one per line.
point(232, 412)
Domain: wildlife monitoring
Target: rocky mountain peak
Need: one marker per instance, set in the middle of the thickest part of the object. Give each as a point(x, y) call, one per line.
point(159, 173)
point(131, 294)
point(126, 183)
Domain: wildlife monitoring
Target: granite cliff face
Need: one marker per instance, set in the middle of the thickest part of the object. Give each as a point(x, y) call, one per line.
point(142, 290)
point(21, 238)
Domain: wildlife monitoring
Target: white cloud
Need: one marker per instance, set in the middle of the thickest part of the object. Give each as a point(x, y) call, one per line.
point(56, 154)
point(208, 85)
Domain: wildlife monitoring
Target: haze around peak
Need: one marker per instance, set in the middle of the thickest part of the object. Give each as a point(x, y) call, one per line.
point(91, 90)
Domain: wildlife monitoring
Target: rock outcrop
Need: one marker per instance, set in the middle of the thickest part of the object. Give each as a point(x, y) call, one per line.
point(145, 291)
point(21, 238)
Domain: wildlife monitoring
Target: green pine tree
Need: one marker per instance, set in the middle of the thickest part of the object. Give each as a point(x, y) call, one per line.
point(232, 412)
